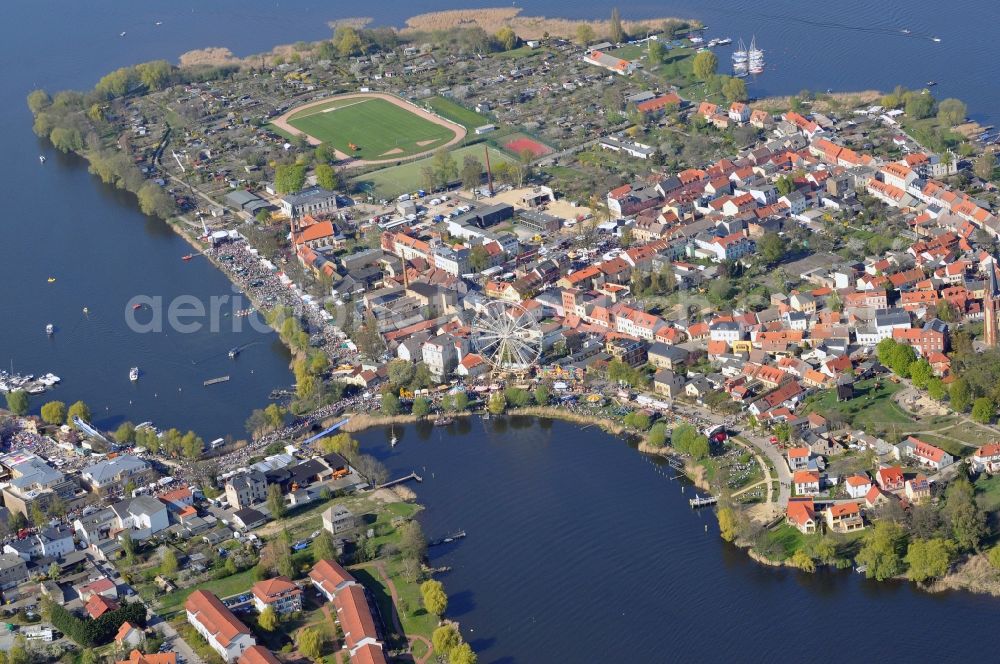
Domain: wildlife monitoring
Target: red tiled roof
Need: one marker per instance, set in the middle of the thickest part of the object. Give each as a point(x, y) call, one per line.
point(215, 617)
point(368, 654)
point(329, 575)
point(354, 615)
point(136, 657)
point(98, 605)
point(269, 590)
point(257, 655)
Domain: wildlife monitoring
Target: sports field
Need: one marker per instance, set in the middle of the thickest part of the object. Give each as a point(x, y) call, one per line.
point(371, 128)
point(396, 180)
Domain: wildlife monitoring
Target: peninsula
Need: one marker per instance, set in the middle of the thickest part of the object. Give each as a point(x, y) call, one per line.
point(795, 301)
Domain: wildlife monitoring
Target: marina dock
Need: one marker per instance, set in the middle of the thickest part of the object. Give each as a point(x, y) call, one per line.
point(214, 381)
point(698, 501)
point(400, 480)
point(447, 539)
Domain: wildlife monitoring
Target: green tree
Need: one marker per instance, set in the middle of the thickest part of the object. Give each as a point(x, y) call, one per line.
point(462, 654)
point(803, 561)
point(585, 34)
point(444, 166)
point(168, 564)
point(962, 515)
point(128, 546)
point(276, 501)
point(289, 178)
point(994, 556)
point(155, 75)
point(310, 643)
point(951, 112)
point(517, 397)
point(984, 166)
point(657, 436)
point(457, 402)
point(79, 409)
point(637, 420)
point(53, 571)
point(274, 416)
point(268, 619)
point(472, 172)
point(542, 395)
point(918, 105)
point(497, 403)
point(125, 433)
point(825, 550)
point(38, 100)
point(785, 184)
point(655, 52)
point(322, 547)
point(390, 404)
point(347, 41)
point(507, 38)
point(729, 524)
point(327, 177)
point(902, 356)
point(771, 248)
point(881, 550)
point(342, 444)
point(17, 402)
point(983, 410)
point(960, 394)
point(928, 559)
point(479, 258)
point(617, 31)
point(66, 139)
point(421, 407)
point(154, 201)
point(936, 389)
point(445, 639)
point(920, 372)
point(412, 543)
point(705, 64)
point(400, 373)
point(434, 598)
point(54, 412)
point(735, 89)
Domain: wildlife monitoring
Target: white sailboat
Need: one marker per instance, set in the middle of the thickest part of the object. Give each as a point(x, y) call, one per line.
point(740, 54)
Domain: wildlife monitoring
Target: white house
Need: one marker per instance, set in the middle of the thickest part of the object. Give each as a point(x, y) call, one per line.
point(858, 486)
point(49, 543)
point(986, 458)
point(144, 516)
point(806, 482)
point(798, 458)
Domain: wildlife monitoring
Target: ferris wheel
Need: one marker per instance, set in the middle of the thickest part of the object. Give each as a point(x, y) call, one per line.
point(507, 336)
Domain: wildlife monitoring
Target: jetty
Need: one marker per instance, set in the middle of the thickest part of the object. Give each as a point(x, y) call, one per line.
point(447, 539)
point(698, 501)
point(88, 430)
point(400, 480)
point(325, 432)
point(215, 381)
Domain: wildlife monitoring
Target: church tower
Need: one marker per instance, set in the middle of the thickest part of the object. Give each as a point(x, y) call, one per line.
point(991, 306)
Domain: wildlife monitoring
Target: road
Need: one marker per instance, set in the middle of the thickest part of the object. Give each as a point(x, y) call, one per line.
point(762, 444)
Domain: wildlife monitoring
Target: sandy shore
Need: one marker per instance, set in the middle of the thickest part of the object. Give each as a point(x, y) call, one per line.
point(526, 27)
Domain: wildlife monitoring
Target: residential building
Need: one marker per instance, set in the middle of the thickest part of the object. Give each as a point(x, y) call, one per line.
point(246, 489)
point(798, 458)
point(258, 655)
point(142, 516)
point(858, 486)
point(986, 458)
point(224, 632)
point(129, 636)
point(338, 519)
point(33, 481)
point(112, 475)
point(802, 514)
point(440, 355)
point(279, 593)
point(844, 518)
point(890, 479)
point(668, 383)
point(137, 657)
point(805, 482)
point(918, 489)
point(52, 542)
point(328, 577)
point(924, 453)
point(312, 200)
point(13, 570)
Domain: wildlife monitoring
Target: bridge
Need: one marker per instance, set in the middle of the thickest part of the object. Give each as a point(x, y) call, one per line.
point(89, 430)
point(326, 432)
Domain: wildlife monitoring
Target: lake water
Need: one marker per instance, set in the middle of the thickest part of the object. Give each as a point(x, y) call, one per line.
point(580, 549)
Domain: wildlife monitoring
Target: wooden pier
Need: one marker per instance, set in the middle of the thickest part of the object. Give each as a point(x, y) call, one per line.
point(447, 539)
point(400, 480)
point(698, 501)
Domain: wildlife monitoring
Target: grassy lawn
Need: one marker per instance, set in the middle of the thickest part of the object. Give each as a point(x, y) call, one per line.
point(230, 585)
point(871, 409)
point(988, 492)
point(520, 52)
point(395, 180)
point(378, 129)
point(786, 540)
point(455, 112)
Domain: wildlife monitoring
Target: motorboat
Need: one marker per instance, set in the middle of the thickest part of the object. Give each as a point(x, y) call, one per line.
point(50, 329)
point(41, 159)
point(133, 374)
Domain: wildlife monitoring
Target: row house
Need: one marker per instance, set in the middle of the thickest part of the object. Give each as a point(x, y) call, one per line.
point(931, 338)
point(924, 453)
